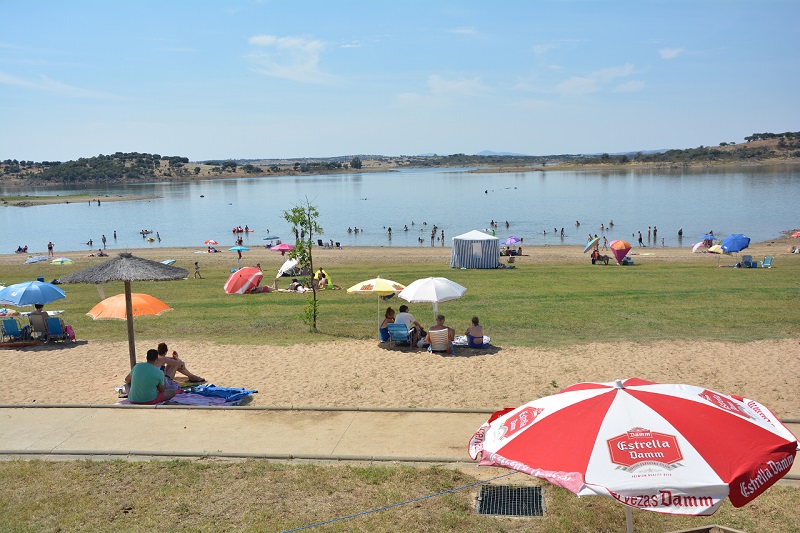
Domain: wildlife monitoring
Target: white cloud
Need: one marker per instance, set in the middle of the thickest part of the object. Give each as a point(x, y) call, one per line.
point(469, 32)
point(291, 58)
point(470, 87)
point(55, 87)
point(595, 81)
point(670, 53)
point(441, 92)
point(632, 86)
point(542, 49)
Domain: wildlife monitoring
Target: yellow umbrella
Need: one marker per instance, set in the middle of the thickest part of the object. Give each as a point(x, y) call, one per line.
point(141, 305)
point(379, 287)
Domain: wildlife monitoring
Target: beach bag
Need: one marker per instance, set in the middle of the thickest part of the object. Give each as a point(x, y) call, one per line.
point(70, 332)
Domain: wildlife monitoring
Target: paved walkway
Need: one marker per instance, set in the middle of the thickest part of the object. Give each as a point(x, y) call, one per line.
point(420, 436)
point(413, 435)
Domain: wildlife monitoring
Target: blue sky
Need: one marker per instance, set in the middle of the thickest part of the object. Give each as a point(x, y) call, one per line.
point(250, 79)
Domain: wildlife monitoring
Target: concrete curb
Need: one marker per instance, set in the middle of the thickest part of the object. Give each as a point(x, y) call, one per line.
point(250, 408)
point(235, 455)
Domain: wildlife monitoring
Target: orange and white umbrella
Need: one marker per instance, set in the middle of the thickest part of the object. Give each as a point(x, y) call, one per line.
point(141, 305)
point(211, 241)
point(243, 280)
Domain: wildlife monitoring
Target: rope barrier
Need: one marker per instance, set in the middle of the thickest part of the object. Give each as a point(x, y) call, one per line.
point(384, 508)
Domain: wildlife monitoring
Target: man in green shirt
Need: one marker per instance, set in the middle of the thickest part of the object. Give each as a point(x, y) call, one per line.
point(147, 382)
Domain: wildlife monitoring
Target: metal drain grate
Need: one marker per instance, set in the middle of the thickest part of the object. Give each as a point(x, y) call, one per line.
point(505, 500)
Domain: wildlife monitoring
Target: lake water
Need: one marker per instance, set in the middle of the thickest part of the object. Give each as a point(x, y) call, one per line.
point(759, 202)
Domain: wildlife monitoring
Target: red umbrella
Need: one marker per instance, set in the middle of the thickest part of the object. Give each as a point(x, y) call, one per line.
point(796, 234)
point(675, 449)
point(620, 249)
point(210, 241)
point(243, 280)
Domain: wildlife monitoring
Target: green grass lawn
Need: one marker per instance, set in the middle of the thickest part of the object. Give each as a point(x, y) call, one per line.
point(542, 305)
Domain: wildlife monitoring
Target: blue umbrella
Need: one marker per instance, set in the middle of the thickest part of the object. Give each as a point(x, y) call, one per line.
point(239, 249)
point(36, 259)
point(591, 243)
point(30, 293)
point(735, 243)
point(511, 240)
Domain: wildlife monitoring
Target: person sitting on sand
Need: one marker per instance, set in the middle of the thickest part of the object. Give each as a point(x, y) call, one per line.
point(148, 383)
point(383, 329)
point(173, 364)
point(101, 253)
point(451, 333)
point(474, 334)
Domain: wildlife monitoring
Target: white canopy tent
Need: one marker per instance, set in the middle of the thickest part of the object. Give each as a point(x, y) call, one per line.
point(475, 249)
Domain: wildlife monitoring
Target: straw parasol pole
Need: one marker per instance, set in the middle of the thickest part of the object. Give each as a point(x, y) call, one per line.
point(127, 268)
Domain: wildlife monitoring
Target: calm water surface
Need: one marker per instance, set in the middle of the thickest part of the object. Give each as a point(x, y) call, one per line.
point(759, 202)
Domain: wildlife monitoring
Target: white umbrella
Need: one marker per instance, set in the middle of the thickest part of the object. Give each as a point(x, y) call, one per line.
point(288, 265)
point(432, 290)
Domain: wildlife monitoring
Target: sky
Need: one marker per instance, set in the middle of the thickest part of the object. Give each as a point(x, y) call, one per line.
point(321, 78)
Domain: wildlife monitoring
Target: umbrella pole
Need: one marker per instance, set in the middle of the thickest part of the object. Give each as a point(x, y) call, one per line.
point(628, 520)
point(129, 315)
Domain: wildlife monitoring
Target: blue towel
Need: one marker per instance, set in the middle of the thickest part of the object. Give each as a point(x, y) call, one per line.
point(230, 394)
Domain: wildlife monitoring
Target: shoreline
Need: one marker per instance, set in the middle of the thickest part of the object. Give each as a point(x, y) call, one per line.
point(389, 254)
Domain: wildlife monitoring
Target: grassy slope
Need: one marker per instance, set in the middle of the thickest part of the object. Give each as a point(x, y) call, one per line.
point(538, 304)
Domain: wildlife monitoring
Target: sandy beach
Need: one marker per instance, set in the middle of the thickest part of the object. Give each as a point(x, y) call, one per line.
point(341, 372)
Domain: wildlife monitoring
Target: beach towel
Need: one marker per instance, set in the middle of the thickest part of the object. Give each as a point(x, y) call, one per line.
point(461, 340)
point(189, 398)
point(227, 393)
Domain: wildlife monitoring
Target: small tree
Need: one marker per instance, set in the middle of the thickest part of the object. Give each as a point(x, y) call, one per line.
point(355, 162)
point(304, 216)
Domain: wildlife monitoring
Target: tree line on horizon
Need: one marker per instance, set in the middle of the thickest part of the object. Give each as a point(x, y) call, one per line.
point(137, 166)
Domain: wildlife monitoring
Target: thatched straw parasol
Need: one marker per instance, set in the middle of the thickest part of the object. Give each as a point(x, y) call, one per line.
point(127, 268)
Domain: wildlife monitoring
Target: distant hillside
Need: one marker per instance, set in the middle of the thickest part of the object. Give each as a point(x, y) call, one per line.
point(758, 147)
point(125, 167)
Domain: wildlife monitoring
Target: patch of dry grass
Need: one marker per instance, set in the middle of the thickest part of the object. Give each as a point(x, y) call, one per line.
point(266, 496)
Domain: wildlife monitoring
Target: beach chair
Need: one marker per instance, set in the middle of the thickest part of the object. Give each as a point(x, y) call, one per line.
point(320, 243)
point(440, 341)
point(9, 328)
point(747, 261)
point(767, 262)
point(55, 330)
point(38, 327)
point(399, 333)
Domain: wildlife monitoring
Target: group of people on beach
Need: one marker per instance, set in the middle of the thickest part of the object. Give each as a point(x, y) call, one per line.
point(153, 381)
point(422, 338)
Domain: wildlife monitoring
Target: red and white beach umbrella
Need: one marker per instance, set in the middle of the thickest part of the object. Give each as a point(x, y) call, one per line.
point(675, 449)
point(243, 280)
